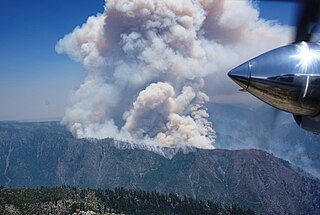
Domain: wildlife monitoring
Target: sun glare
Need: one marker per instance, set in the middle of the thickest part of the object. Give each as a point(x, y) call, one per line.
point(306, 56)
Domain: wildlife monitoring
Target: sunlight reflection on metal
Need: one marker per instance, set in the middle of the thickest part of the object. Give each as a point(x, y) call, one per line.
point(287, 78)
point(306, 88)
point(306, 56)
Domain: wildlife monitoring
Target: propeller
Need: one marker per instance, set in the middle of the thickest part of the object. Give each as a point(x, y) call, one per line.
point(274, 117)
point(306, 25)
point(308, 20)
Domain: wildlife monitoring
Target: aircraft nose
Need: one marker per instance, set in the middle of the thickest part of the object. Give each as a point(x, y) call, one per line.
point(241, 75)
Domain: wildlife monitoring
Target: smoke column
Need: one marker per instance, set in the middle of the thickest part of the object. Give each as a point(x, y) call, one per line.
point(153, 64)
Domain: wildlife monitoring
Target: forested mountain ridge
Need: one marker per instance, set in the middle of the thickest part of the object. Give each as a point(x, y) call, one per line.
point(45, 154)
point(117, 201)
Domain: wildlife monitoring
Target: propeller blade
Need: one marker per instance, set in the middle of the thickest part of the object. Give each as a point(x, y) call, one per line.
point(308, 20)
point(274, 117)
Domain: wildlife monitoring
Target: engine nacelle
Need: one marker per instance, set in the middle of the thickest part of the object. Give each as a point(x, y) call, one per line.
point(308, 123)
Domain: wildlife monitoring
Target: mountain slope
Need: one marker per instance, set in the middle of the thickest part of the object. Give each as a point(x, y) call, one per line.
point(44, 154)
point(118, 201)
point(267, 129)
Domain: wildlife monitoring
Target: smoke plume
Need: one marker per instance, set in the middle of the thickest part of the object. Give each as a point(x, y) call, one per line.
point(153, 64)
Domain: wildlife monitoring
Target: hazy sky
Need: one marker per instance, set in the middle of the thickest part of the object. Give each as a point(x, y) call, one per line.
point(35, 81)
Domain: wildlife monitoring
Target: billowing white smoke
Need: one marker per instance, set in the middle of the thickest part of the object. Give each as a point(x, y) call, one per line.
point(151, 65)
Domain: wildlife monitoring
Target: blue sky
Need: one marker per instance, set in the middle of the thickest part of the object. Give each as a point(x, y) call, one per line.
point(284, 12)
point(34, 80)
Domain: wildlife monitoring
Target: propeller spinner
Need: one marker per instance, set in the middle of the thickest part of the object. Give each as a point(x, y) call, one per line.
point(288, 78)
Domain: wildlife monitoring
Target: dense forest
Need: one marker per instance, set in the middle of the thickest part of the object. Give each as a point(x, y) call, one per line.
point(68, 200)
